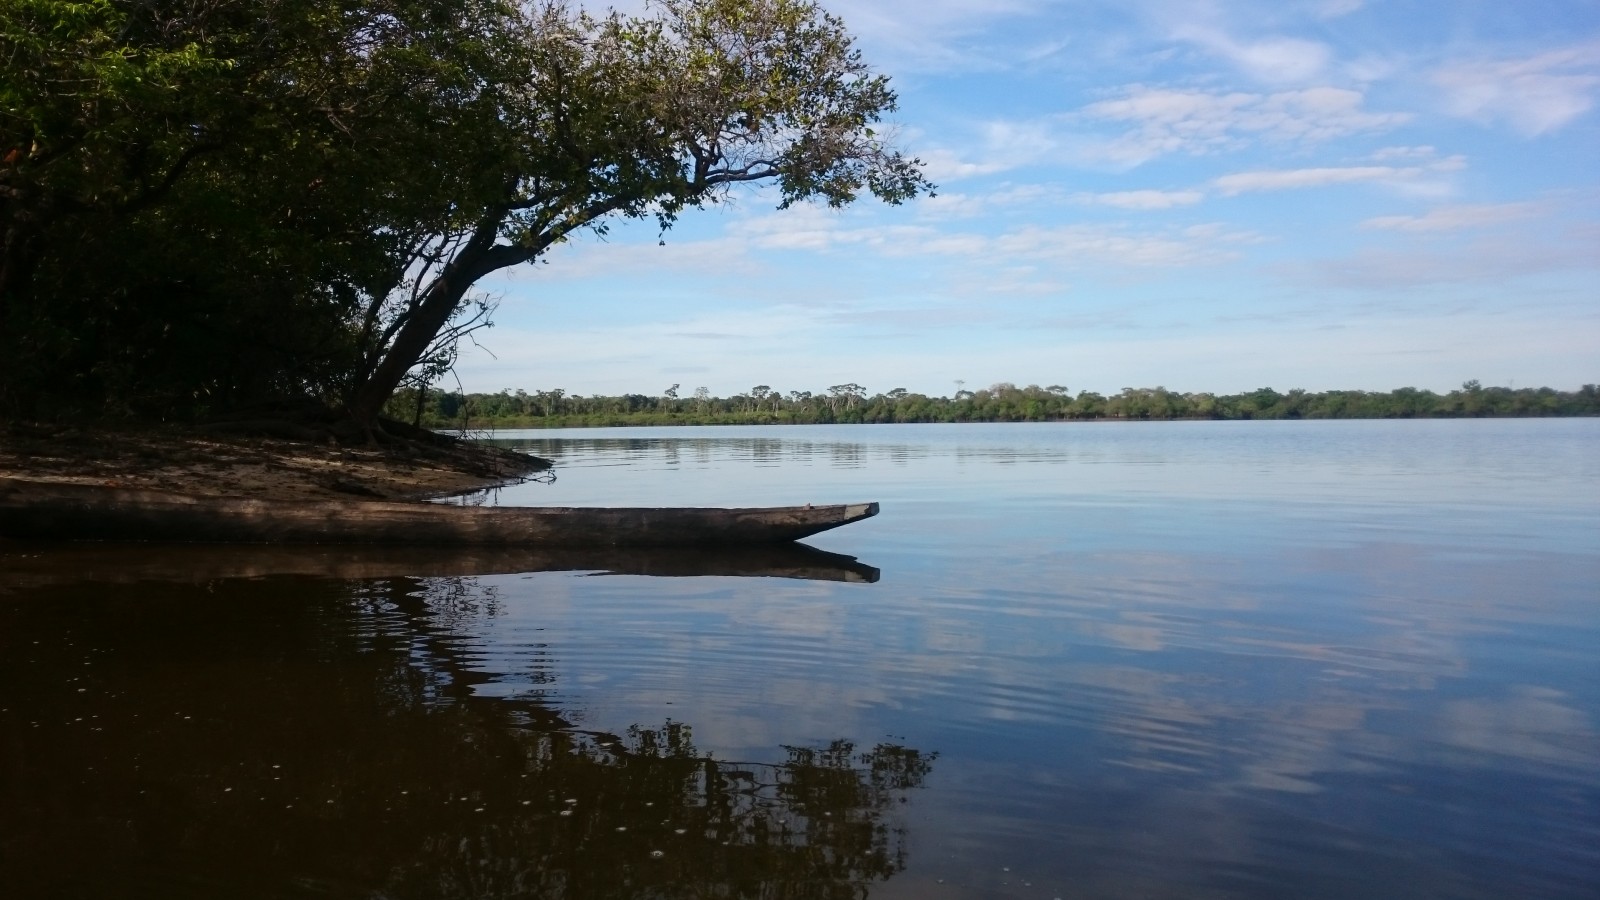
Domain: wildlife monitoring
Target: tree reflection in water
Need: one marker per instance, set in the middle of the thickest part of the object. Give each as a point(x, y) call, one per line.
point(293, 737)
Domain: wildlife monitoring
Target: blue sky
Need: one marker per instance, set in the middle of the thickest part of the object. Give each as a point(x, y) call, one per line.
point(1206, 196)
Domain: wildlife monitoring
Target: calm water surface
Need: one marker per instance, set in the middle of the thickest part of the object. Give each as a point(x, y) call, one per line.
point(1255, 659)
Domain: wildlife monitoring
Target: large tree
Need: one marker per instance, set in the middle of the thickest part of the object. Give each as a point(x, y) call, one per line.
point(197, 196)
point(637, 117)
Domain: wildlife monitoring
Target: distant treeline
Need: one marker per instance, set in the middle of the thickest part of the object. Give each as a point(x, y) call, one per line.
point(850, 403)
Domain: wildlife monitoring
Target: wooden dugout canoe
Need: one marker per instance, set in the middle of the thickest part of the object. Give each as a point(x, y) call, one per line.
point(34, 510)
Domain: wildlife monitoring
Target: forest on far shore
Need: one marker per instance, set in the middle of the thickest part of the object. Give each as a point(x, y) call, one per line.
point(850, 403)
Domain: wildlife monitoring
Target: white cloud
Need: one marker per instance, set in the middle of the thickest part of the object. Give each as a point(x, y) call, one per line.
point(1532, 96)
point(1489, 261)
point(1173, 121)
point(1142, 200)
point(1456, 218)
point(587, 257)
point(1388, 153)
point(1333, 9)
point(1001, 145)
point(552, 351)
point(1290, 179)
point(912, 36)
point(952, 206)
point(958, 206)
point(1222, 234)
point(807, 227)
point(1071, 246)
point(1083, 246)
point(1284, 179)
point(851, 239)
point(1275, 60)
point(1368, 68)
point(944, 166)
point(930, 35)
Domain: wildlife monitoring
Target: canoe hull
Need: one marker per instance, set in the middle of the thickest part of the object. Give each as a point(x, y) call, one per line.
point(49, 511)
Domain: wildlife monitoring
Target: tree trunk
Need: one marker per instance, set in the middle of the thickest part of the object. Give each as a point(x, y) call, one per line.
point(422, 399)
point(476, 259)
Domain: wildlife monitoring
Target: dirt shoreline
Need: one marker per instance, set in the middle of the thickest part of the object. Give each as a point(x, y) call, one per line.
point(205, 463)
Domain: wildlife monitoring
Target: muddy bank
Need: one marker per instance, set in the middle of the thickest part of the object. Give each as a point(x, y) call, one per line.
point(210, 462)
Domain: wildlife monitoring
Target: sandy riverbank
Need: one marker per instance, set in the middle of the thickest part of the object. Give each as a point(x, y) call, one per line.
point(195, 461)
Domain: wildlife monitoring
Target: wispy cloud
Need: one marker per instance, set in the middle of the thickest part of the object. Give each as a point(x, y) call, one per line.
point(1333, 9)
point(937, 36)
point(1419, 152)
point(1142, 200)
point(1485, 262)
point(1091, 246)
point(997, 145)
point(1327, 176)
point(1159, 122)
point(967, 205)
point(1286, 179)
point(1533, 96)
point(588, 258)
point(1186, 121)
point(1457, 218)
point(944, 166)
point(1275, 60)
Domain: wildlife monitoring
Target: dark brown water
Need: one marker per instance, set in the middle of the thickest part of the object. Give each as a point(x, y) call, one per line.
point(1188, 660)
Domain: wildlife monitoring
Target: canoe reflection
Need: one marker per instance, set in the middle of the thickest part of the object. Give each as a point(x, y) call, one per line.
point(25, 565)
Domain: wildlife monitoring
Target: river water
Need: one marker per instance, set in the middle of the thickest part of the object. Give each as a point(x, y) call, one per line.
point(1193, 659)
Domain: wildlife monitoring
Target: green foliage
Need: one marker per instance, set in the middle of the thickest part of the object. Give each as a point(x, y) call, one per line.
point(101, 100)
point(197, 198)
point(999, 403)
